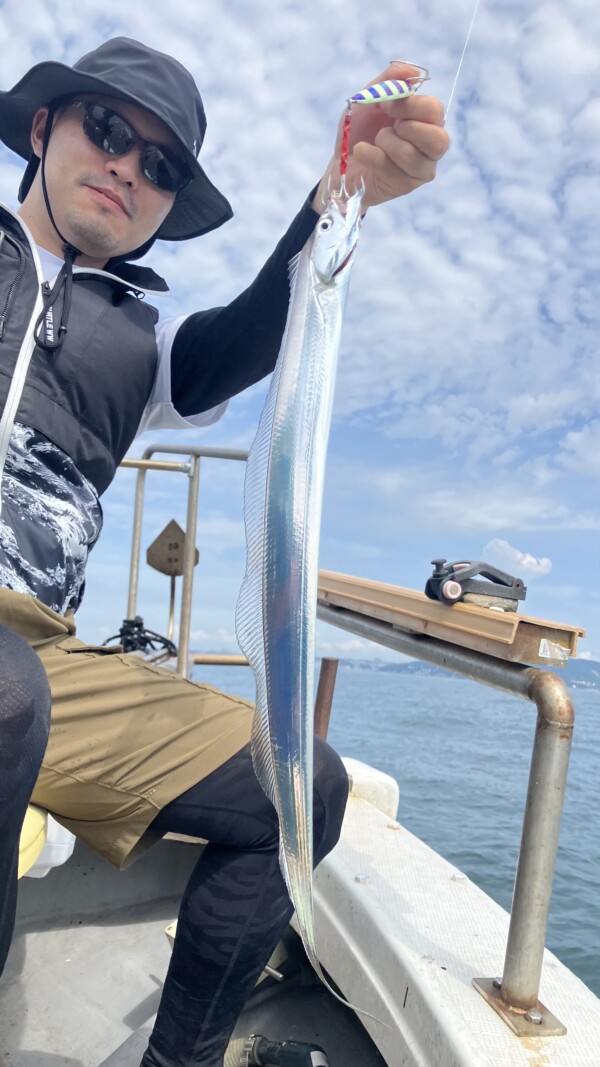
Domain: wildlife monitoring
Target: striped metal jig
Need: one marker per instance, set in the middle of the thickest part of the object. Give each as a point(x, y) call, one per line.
point(392, 89)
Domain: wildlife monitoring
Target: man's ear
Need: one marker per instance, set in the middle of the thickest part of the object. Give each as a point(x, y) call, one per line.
point(38, 128)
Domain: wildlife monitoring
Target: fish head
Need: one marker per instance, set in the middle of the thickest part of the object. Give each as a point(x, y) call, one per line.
point(336, 234)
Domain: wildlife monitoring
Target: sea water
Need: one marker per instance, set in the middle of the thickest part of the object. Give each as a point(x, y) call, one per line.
point(460, 753)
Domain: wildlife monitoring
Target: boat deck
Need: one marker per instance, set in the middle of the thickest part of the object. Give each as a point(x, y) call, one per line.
point(85, 971)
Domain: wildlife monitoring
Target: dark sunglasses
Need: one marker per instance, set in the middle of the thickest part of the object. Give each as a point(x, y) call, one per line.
point(109, 132)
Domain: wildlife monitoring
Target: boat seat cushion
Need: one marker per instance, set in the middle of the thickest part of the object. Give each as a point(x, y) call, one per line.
point(33, 838)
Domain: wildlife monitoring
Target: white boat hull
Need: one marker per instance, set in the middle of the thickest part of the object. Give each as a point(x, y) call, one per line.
point(403, 933)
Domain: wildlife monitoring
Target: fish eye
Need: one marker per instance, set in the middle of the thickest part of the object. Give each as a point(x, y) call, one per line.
point(325, 224)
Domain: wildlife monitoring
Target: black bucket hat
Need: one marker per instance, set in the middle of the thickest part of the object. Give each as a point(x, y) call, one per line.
point(130, 71)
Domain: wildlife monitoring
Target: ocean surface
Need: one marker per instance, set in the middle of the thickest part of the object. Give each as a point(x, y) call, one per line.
point(461, 754)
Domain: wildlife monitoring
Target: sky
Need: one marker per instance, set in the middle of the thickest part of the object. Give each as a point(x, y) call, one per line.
point(467, 412)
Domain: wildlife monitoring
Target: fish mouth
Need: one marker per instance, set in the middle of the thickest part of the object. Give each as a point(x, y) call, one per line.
point(345, 262)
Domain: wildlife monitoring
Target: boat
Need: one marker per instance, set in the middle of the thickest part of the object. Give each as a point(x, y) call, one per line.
point(443, 976)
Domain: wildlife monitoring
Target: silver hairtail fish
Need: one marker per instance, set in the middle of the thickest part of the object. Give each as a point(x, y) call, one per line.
point(277, 606)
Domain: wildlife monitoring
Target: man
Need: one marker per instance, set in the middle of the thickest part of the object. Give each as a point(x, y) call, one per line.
point(135, 752)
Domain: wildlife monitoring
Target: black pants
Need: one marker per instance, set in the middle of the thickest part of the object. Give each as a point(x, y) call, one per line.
point(235, 907)
point(24, 724)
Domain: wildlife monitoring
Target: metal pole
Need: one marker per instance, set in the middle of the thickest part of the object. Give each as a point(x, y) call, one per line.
point(539, 841)
point(189, 562)
point(154, 465)
point(518, 991)
point(221, 659)
point(136, 541)
point(136, 544)
point(171, 623)
point(192, 450)
point(510, 677)
point(324, 698)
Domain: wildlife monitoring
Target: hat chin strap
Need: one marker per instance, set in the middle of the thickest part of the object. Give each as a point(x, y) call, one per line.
point(45, 335)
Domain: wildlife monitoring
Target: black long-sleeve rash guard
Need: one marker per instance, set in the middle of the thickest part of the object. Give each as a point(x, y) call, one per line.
point(218, 353)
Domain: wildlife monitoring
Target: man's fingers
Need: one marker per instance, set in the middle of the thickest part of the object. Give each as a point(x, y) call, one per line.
point(409, 167)
point(395, 146)
point(419, 107)
point(432, 141)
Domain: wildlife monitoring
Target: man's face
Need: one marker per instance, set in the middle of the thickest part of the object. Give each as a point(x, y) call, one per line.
point(101, 203)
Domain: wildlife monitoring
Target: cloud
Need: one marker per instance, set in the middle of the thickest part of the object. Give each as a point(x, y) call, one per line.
point(505, 508)
point(503, 555)
point(215, 640)
point(580, 450)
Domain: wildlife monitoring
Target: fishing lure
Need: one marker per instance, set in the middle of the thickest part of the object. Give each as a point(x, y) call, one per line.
point(380, 93)
point(385, 92)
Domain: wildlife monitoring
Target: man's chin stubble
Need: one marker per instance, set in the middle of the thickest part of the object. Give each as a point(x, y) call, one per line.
point(91, 236)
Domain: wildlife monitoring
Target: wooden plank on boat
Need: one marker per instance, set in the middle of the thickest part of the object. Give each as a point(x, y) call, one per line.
point(506, 635)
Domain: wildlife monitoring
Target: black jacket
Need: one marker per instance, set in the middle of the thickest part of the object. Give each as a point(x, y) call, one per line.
point(89, 397)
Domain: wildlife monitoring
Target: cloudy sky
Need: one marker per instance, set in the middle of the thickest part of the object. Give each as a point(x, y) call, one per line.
point(467, 415)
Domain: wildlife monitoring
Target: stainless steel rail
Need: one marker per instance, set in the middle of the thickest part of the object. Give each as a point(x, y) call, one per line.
point(192, 469)
point(515, 995)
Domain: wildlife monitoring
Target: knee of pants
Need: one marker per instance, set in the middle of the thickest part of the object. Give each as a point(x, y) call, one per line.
point(330, 796)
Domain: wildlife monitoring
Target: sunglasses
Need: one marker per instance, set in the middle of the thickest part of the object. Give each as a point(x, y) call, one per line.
point(109, 132)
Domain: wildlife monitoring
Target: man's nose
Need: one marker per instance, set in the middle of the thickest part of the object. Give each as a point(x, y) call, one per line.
point(126, 168)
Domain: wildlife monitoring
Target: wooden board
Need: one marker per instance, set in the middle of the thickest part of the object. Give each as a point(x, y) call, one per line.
point(506, 635)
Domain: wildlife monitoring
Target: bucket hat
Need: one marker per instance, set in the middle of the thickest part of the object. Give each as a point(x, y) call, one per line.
point(131, 71)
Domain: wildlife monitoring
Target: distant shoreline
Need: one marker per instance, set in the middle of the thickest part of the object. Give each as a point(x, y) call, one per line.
point(577, 673)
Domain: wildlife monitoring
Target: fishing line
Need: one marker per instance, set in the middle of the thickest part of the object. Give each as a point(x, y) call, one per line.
point(470, 30)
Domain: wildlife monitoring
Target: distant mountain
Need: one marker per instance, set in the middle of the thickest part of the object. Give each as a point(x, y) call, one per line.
point(578, 673)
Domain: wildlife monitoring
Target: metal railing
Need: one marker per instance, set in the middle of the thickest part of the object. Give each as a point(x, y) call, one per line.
point(515, 996)
point(192, 470)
